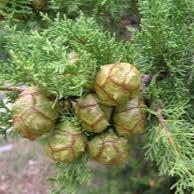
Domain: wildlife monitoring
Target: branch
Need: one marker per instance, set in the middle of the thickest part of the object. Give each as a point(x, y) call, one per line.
point(11, 89)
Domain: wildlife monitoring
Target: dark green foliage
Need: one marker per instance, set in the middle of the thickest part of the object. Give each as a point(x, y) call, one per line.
point(166, 36)
point(108, 13)
point(15, 9)
point(105, 11)
point(165, 48)
point(3, 53)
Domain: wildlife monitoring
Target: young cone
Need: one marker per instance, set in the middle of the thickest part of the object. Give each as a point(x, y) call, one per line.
point(67, 143)
point(34, 113)
point(108, 148)
point(117, 83)
point(39, 4)
point(130, 117)
point(93, 115)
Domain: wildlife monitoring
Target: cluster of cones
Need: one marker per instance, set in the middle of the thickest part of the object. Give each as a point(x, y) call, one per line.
point(109, 115)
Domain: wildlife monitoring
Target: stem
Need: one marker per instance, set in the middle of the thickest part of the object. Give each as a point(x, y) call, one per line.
point(164, 125)
point(11, 89)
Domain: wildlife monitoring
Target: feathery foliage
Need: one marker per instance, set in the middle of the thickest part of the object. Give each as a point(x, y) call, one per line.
point(15, 9)
point(165, 47)
point(163, 50)
point(41, 58)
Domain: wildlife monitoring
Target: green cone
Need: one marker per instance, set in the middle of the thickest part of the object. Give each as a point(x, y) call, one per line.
point(108, 148)
point(33, 113)
point(117, 83)
point(130, 117)
point(93, 115)
point(67, 143)
point(39, 4)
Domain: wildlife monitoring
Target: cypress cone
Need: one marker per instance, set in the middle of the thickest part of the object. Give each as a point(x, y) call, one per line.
point(33, 113)
point(39, 4)
point(108, 148)
point(130, 117)
point(93, 115)
point(67, 143)
point(117, 83)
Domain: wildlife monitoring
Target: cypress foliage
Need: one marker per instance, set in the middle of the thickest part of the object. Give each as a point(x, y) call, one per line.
point(37, 53)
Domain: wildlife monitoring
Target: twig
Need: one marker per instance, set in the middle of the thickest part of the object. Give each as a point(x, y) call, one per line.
point(164, 125)
point(11, 89)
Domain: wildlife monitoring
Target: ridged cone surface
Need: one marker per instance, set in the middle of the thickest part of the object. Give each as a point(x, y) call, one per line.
point(67, 143)
point(93, 115)
point(117, 83)
point(108, 148)
point(130, 118)
point(33, 113)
